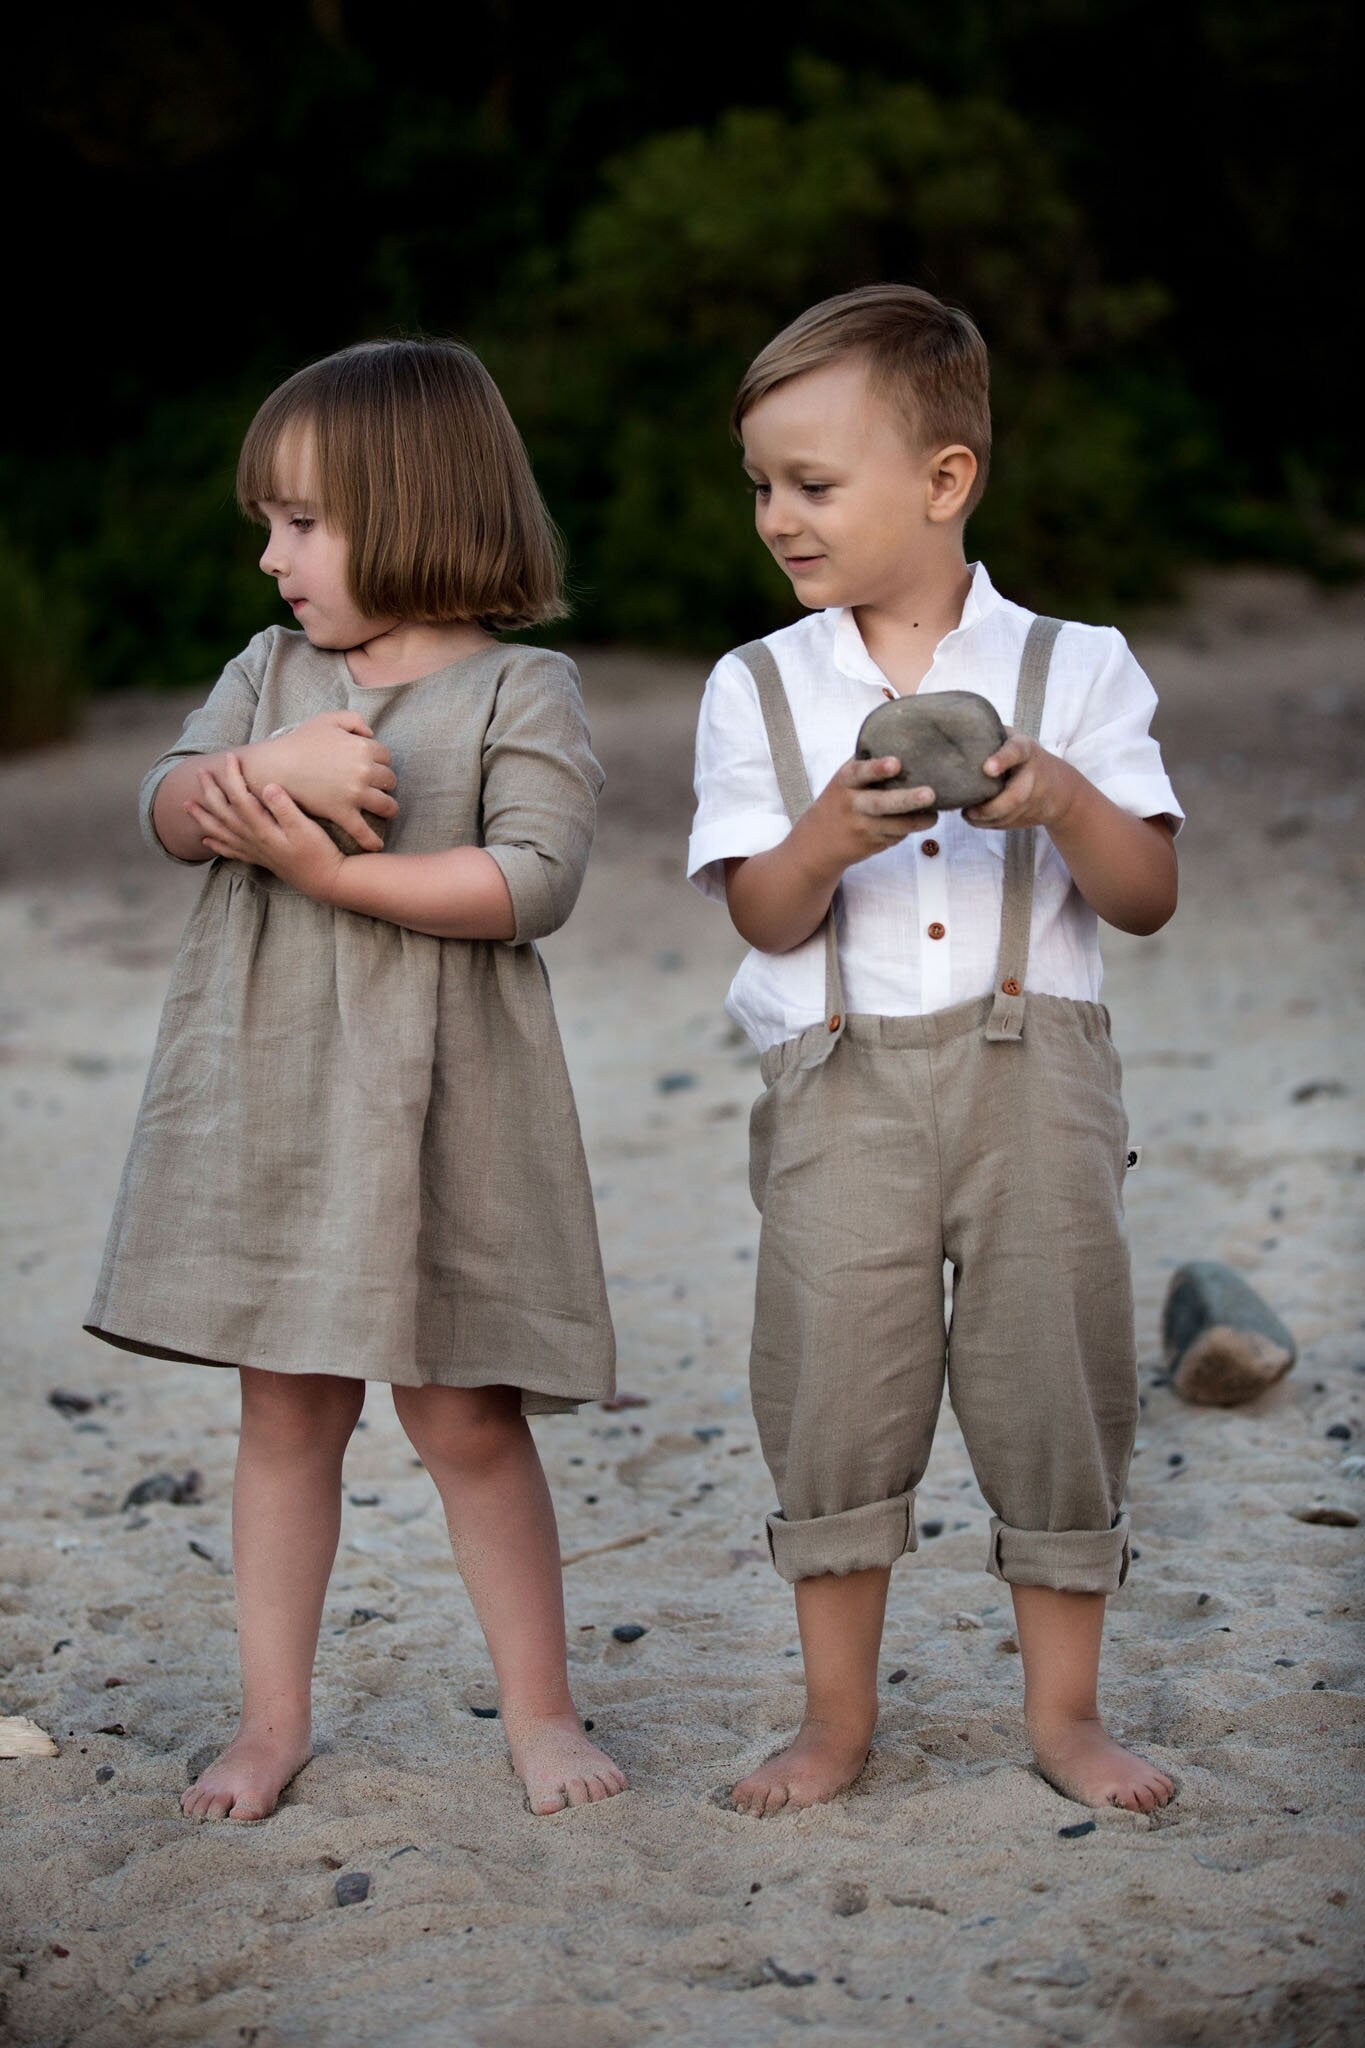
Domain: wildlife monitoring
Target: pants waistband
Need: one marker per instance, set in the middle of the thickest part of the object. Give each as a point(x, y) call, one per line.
point(918, 1033)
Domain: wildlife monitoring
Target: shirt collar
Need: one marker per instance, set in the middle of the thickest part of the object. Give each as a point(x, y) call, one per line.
point(851, 657)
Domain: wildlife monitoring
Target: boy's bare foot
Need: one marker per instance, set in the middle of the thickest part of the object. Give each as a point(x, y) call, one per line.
point(1083, 1761)
point(821, 1763)
point(246, 1781)
point(558, 1765)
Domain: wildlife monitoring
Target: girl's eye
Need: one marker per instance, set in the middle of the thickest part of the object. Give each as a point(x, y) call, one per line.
point(301, 525)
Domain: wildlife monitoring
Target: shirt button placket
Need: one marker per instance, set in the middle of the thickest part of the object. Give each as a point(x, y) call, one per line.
point(936, 975)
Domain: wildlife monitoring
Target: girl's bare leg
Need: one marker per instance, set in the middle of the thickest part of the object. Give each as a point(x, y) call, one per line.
point(476, 1445)
point(841, 1619)
point(286, 1514)
point(1059, 1641)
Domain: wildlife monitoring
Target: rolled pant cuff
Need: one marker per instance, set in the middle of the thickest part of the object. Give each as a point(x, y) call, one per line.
point(855, 1540)
point(1068, 1560)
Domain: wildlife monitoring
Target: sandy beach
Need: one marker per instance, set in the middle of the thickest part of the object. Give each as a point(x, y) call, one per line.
point(952, 1897)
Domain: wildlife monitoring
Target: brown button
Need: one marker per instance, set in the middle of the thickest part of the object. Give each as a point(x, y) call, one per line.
point(1010, 987)
point(889, 695)
point(835, 1021)
point(938, 931)
point(929, 847)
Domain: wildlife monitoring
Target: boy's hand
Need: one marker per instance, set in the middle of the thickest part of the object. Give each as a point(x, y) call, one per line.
point(1039, 787)
point(853, 818)
point(333, 767)
point(267, 831)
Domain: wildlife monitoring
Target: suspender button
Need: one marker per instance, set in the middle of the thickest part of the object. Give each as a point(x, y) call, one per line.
point(836, 1022)
point(1010, 987)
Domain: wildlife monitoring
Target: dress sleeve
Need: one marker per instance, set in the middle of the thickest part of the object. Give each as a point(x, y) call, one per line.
point(540, 788)
point(225, 719)
point(739, 805)
point(1112, 743)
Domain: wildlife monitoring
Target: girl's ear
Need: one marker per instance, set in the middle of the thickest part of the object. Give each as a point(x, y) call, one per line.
point(951, 472)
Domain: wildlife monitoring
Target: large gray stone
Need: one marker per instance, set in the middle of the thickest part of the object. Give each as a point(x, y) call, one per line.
point(940, 741)
point(1223, 1344)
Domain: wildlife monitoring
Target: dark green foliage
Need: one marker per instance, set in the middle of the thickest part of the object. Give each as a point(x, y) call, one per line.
point(1141, 204)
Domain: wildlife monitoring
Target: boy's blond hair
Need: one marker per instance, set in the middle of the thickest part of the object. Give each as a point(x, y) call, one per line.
point(420, 467)
point(927, 358)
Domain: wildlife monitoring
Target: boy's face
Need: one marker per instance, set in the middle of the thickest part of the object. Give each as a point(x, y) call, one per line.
point(308, 559)
point(846, 504)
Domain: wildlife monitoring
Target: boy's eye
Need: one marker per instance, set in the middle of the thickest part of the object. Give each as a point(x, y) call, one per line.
point(815, 490)
point(760, 490)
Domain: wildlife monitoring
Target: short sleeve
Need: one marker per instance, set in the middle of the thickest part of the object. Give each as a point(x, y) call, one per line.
point(225, 719)
point(540, 789)
point(1111, 742)
point(739, 806)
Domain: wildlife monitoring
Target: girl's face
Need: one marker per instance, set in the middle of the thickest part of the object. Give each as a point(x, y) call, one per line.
point(309, 561)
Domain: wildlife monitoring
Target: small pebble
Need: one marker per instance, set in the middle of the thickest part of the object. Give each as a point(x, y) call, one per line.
point(201, 1550)
point(1340, 1432)
point(793, 1979)
point(898, 1676)
point(353, 1888)
point(360, 1615)
point(1286, 1663)
point(1176, 1458)
point(112, 1728)
point(104, 1774)
point(1078, 1827)
point(934, 1528)
point(1319, 1685)
point(589, 1726)
point(485, 1713)
point(629, 1631)
point(363, 1500)
point(69, 1404)
point(673, 1084)
point(164, 1486)
point(1326, 1517)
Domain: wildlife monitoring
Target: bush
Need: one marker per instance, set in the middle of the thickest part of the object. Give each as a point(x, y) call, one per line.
point(622, 369)
point(42, 672)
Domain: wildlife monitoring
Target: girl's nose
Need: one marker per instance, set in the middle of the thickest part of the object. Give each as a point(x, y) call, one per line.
point(272, 558)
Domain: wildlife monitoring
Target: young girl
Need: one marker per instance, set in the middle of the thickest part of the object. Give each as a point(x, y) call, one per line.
point(358, 1157)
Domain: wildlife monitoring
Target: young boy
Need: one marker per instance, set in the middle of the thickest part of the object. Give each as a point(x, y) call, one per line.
point(923, 990)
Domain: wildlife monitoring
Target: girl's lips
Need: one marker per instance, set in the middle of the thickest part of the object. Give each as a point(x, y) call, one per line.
point(800, 565)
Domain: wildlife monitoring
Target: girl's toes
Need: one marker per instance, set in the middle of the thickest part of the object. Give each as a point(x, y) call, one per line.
point(549, 1802)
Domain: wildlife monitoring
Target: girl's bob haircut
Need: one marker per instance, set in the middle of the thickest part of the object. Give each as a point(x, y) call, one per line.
point(418, 465)
point(928, 359)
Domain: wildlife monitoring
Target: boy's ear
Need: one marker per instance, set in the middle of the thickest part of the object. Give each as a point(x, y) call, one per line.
point(950, 473)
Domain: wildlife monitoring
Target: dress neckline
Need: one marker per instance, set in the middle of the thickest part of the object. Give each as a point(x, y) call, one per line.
point(415, 682)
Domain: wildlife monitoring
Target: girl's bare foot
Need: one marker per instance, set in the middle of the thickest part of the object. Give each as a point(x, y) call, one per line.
point(558, 1765)
point(246, 1781)
point(1083, 1761)
point(821, 1763)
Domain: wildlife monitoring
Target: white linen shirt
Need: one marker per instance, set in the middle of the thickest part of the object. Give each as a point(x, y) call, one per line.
point(919, 924)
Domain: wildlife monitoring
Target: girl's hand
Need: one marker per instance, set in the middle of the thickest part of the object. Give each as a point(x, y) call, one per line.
point(333, 767)
point(1039, 787)
point(268, 831)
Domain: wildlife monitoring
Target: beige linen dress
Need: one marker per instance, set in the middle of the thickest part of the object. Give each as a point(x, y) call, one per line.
point(358, 1151)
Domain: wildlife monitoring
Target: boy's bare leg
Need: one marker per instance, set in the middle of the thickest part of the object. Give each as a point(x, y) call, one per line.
point(286, 1513)
point(1059, 1640)
point(476, 1445)
point(841, 1619)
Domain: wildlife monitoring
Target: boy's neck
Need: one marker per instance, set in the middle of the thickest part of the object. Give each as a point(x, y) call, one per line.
point(408, 651)
point(902, 631)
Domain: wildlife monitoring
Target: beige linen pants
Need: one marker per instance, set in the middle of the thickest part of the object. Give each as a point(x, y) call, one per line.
point(991, 1135)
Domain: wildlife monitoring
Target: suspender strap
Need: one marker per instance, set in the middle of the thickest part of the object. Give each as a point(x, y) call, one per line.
point(1006, 1020)
point(1016, 917)
point(794, 785)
